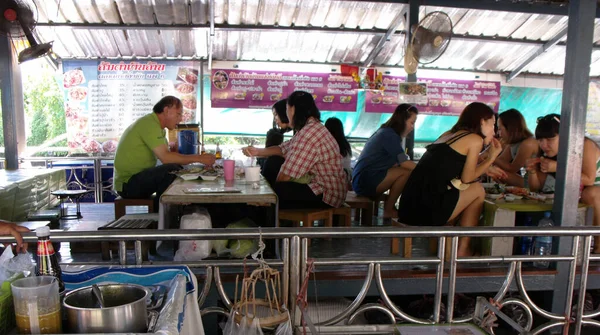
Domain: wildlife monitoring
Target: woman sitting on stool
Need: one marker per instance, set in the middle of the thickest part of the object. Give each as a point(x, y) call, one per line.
point(383, 165)
point(312, 175)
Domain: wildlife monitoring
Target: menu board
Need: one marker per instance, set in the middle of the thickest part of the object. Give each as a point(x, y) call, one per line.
point(432, 96)
point(102, 98)
point(592, 117)
point(261, 89)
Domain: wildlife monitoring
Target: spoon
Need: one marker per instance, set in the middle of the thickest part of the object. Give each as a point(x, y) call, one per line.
point(98, 295)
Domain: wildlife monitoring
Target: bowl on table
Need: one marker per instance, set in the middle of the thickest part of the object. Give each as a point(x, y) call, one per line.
point(189, 176)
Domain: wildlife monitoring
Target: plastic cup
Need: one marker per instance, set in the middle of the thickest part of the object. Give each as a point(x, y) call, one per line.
point(229, 169)
point(252, 173)
point(37, 305)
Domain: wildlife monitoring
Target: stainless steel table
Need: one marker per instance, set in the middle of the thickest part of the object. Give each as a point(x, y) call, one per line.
point(177, 192)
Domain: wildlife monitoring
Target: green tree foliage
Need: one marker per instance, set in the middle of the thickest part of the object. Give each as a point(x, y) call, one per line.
point(44, 106)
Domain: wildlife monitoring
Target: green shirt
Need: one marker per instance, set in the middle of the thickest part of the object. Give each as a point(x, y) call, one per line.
point(134, 152)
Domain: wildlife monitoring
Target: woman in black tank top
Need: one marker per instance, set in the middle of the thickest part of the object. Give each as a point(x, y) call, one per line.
point(444, 184)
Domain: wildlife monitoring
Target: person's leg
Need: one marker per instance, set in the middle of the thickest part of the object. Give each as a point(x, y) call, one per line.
point(591, 196)
point(271, 168)
point(394, 181)
point(296, 196)
point(469, 206)
point(154, 180)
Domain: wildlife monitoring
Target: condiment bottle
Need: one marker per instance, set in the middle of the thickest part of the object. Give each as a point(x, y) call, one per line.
point(202, 150)
point(218, 153)
point(47, 263)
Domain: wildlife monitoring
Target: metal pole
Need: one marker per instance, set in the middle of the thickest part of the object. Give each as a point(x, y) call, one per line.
point(9, 110)
point(452, 280)
point(439, 280)
point(294, 278)
point(123, 252)
point(572, 128)
point(202, 102)
point(585, 265)
point(98, 180)
point(413, 19)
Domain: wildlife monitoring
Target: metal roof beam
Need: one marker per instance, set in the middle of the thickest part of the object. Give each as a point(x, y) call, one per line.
point(497, 5)
point(386, 37)
point(227, 27)
point(551, 43)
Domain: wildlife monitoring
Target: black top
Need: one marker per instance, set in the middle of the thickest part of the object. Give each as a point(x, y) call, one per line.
point(428, 199)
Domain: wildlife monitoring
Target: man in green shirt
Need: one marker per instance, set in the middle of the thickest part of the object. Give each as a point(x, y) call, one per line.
point(136, 174)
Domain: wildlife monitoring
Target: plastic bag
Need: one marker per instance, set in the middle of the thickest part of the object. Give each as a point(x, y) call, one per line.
point(11, 264)
point(194, 250)
point(286, 327)
point(244, 328)
point(247, 328)
point(237, 248)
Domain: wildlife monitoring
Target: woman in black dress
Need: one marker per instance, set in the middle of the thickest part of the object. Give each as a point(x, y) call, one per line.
point(444, 184)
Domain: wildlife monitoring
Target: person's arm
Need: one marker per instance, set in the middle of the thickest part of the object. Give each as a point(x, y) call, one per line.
point(393, 147)
point(9, 228)
point(588, 168)
point(275, 150)
point(527, 149)
point(535, 178)
point(162, 152)
point(471, 169)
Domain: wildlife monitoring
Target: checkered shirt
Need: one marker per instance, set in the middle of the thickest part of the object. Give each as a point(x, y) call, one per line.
point(314, 150)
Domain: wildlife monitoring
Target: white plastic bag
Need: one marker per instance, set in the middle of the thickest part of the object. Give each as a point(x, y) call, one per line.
point(286, 327)
point(247, 328)
point(244, 328)
point(194, 250)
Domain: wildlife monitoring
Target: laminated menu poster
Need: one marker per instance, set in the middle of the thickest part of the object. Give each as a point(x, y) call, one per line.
point(102, 98)
point(261, 89)
point(592, 118)
point(432, 96)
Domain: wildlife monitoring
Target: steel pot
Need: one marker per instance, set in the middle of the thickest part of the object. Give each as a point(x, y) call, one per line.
point(124, 309)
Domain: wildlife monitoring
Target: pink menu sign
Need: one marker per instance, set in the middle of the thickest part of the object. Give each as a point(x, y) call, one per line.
point(432, 96)
point(261, 89)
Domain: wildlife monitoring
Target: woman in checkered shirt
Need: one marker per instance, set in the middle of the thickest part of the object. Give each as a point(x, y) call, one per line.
point(312, 175)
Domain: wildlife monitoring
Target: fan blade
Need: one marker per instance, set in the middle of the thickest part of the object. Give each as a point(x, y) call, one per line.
point(26, 16)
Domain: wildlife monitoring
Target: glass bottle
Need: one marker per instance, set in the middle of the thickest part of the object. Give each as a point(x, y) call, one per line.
point(218, 153)
point(47, 263)
point(202, 150)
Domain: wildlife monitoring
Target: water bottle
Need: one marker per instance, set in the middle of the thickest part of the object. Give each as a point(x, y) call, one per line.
point(527, 241)
point(543, 244)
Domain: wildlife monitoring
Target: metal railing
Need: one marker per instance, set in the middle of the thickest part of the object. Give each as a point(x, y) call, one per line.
point(295, 257)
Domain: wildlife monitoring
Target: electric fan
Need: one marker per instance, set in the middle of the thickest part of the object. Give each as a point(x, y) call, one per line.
point(430, 38)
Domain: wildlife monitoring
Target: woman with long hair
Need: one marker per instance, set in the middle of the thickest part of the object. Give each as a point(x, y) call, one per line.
point(444, 184)
point(383, 165)
point(336, 128)
point(541, 171)
point(311, 155)
point(519, 145)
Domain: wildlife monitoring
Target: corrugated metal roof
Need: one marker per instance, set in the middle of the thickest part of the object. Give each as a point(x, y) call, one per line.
point(283, 30)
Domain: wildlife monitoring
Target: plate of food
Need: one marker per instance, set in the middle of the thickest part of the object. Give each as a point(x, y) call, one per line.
point(512, 197)
point(208, 177)
point(189, 176)
point(519, 191)
point(494, 196)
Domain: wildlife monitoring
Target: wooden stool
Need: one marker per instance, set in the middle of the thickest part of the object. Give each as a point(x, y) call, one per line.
point(307, 216)
point(396, 241)
point(363, 206)
point(121, 205)
point(344, 215)
point(134, 221)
